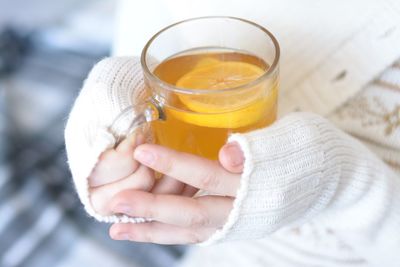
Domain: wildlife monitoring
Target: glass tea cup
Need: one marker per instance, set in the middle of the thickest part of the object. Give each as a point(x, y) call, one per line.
point(206, 78)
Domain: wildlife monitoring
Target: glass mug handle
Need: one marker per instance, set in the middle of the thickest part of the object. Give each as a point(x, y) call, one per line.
point(133, 117)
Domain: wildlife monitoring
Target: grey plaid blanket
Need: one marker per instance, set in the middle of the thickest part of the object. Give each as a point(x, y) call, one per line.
point(41, 220)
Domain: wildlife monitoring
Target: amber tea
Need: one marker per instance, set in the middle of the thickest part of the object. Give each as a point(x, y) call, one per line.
point(200, 122)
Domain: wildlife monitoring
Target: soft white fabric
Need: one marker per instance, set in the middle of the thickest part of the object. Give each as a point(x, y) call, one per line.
point(373, 116)
point(113, 85)
point(311, 193)
point(328, 55)
point(303, 169)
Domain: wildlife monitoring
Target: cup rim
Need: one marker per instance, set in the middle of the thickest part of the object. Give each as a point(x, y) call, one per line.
point(174, 88)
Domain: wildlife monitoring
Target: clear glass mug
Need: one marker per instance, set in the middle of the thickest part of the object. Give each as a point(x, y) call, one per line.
point(199, 121)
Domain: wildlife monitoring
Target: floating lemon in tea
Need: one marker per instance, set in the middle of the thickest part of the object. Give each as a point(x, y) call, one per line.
point(223, 97)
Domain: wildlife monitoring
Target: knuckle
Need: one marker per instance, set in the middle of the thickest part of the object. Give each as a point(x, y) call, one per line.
point(209, 181)
point(194, 238)
point(127, 195)
point(199, 218)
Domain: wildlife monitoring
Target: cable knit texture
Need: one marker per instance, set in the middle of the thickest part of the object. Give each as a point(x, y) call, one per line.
point(113, 85)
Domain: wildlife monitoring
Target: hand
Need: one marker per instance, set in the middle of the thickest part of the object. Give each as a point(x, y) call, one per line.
point(117, 171)
point(180, 219)
point(113, 85)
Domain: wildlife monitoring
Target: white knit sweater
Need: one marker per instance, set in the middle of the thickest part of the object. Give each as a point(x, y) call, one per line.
point(308, 190)
point(310, 195)
point(304, 172)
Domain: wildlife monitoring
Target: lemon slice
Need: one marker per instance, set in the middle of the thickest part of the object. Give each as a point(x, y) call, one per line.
point(211, 75)
point(226, 74)
point(228, 110)
point(247, 116)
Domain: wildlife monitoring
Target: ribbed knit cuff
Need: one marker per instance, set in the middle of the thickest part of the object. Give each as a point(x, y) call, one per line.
point(287, 177)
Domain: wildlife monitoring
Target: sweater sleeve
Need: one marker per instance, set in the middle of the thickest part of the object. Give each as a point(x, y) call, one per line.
point(113, 85)
point(303, 168)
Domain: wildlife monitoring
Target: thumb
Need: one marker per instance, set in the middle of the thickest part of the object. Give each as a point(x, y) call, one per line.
point(231, 157)
point(116, 164)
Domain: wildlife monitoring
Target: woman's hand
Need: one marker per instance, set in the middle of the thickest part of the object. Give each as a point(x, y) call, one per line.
point(116, 171)
point(120, 184)
point(179, 218)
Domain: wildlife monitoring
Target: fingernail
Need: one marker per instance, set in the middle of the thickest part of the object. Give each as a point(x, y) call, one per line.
point(235, 154)
point(145, 157)
point(122, 236)
point(122, 208)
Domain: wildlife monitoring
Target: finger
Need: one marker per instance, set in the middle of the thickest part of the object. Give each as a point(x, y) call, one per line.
point(116, 164)
point(168, 185)
point(100, 197)
point(130, 142)
point(231, 157)
point(189, 169)
point(159, 233)
point(207, 211)
point(189, 191)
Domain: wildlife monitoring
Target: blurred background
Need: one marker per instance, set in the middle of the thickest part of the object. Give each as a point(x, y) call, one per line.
point(47, 48)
